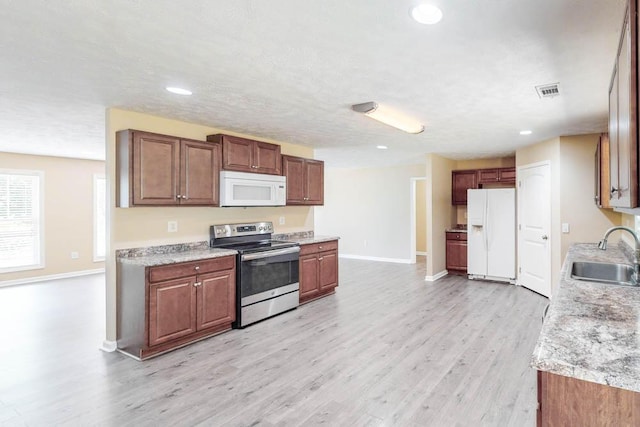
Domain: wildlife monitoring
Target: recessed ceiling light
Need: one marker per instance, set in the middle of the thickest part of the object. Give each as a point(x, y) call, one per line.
point(179, 90)
point(525, 132)
point(426, 14)
point(381, 147)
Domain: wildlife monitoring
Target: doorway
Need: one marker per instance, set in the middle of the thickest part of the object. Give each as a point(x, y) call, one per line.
point(418, 217)
point(534, 226)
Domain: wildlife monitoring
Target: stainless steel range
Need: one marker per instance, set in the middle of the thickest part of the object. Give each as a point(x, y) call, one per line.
point(267, 270)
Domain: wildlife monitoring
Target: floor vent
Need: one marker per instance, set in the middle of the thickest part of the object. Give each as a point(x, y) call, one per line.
point(548, 91)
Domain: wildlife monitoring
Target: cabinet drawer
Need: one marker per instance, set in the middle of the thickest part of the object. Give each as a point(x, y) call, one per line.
point(318, 247)
point(456, 236)
point(184, 269)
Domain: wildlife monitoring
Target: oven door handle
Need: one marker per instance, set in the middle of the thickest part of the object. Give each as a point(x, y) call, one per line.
point(268, 254)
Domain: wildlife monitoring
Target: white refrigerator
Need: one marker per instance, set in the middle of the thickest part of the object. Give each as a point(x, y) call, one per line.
point(491, 234)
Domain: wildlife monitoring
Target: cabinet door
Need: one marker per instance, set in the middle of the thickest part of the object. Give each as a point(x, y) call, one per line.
point(603, 188)
point(626, 143)
point(308, 276)
point(487, 176)
point(155, 169)
point(314, 181)
point(237, 154)
point(267, 158)
point(456, 255)
point(613, 141)
point(293, 168)
point(172, 310)
point(216, 299)
point(461, 182)
point(507, 174)
point(200, 173)
point(328, 270)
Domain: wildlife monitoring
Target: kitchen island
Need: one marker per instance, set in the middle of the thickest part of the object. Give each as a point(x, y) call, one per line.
point(588, 352)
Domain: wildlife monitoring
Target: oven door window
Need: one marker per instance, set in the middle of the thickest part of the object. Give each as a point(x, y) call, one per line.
point(268, 273)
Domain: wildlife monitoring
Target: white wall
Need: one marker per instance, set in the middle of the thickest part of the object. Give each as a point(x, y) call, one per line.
point(370, 210)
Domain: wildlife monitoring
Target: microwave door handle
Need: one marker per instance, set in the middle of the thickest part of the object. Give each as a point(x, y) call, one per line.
point(268, 254)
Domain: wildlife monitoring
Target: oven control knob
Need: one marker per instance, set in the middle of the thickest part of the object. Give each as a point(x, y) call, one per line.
point(261, 228)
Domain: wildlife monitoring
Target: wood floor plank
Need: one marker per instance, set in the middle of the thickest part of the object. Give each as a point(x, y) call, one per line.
point(387, 349)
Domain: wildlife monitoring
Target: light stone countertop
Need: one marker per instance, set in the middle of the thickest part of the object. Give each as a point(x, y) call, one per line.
point(175, 257)
point(592, 330)
point(314, 239)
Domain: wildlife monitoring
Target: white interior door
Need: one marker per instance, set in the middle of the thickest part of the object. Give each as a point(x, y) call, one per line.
point(534, 226)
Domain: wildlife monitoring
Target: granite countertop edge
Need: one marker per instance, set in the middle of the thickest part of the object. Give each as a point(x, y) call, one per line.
point(592, 330)
point(314, 239)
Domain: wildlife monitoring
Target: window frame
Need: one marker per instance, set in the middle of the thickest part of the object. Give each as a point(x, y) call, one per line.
point(96, 178)
point(41, 213)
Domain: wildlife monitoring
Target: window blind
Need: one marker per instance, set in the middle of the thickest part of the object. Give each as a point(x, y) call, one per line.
point(20, 230)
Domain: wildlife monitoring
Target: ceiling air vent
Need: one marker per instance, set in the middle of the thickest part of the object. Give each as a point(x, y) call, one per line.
point(548, 91)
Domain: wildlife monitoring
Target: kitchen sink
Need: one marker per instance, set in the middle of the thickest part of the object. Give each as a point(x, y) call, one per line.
point(617, 274)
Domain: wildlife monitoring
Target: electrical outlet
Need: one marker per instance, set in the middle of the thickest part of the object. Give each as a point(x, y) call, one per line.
point(75, 255)
point(281, 222)
point(172, 226)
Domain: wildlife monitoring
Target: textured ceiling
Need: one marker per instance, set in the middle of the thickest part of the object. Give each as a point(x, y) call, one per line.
point(290, 70)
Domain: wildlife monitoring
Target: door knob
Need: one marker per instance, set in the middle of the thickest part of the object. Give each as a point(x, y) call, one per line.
point(545, 237)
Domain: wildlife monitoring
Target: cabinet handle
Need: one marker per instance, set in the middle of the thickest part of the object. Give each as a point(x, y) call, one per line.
point(320, 247)
point(320, 259)
point(545, 237)
point(196, 268)
point(178, 196)
point(197, 284)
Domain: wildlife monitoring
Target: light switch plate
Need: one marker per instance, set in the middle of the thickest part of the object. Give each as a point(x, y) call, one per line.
point(565, 227)
point(172, 226)
point(281, 222)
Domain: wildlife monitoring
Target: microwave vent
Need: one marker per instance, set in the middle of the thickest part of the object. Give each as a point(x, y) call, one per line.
point(548, 90)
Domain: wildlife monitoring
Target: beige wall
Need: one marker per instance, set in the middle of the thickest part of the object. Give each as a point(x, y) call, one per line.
point(440, 212)
point(577, 178)
point(500, 162)
point(370, 209)
point(68, 212)
point(137, 227)
point(421, 215)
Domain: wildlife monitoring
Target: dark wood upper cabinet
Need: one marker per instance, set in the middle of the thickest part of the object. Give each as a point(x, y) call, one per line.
point(246, 155)
point(623, 116)
point(602, 177)
point(162, 170)
point(305, 180)
point(497, 175)
point(462, 180)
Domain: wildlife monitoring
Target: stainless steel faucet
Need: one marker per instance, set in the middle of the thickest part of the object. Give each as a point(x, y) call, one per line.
point(636, 257)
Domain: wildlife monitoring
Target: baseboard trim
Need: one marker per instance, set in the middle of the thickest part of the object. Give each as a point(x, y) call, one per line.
point(421, 253)
point(378, 259)
point(108, 346)
point(436, 276)
point(38, 279)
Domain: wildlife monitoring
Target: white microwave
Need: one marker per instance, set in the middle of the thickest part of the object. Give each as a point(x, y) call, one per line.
point(252, 189)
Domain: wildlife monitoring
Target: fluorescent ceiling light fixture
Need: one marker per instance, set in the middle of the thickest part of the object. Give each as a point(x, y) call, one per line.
point(525, 132)
point(426, 14)
point(381, 147)
point(179, 90)
point(389, 117)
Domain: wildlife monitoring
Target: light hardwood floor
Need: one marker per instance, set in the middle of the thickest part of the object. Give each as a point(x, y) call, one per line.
point(387, 349)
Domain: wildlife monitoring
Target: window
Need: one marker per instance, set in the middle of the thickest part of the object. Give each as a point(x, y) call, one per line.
point(99, 217)
point(21, 230)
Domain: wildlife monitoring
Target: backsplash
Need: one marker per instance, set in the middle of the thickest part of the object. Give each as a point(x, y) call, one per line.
point(294, 235)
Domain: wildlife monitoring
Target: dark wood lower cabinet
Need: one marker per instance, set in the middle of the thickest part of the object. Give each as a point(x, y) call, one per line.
point(318, 270)
point(456, 250)
point(165, 307)
point(564, 401)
